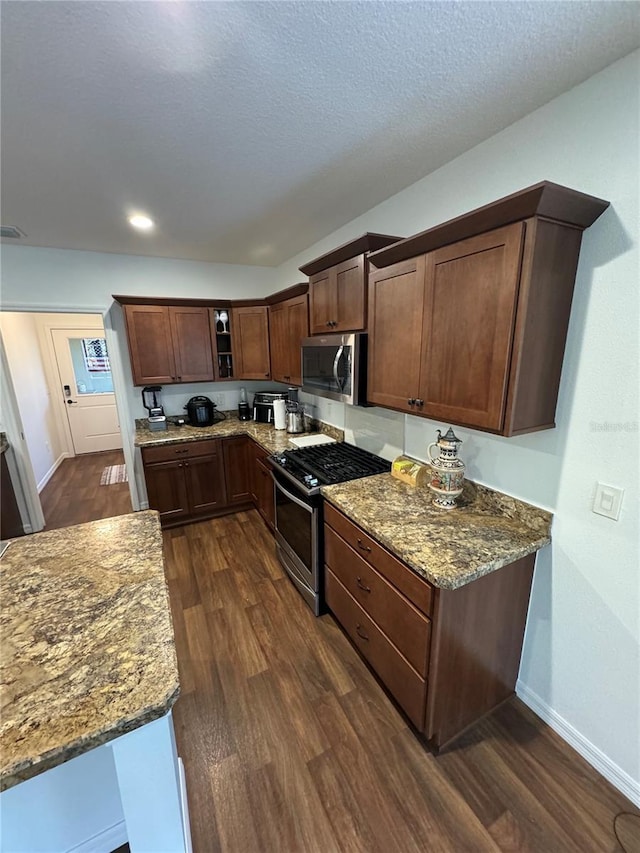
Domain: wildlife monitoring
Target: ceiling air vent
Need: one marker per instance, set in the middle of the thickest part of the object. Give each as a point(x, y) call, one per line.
point(11, 231)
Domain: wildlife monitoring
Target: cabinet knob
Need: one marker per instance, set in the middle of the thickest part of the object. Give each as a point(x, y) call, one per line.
point(266, 375)
point(411, 401)
point(328, 322)
point(420, 403)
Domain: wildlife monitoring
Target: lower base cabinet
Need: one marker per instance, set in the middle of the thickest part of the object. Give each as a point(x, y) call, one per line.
point(448, 657)
point(195, 480)
point(262, 486)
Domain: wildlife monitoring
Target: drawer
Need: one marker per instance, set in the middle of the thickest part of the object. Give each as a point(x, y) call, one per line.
point(402, 681)
point(180, 450)
point(417, 590)
point(403, 624)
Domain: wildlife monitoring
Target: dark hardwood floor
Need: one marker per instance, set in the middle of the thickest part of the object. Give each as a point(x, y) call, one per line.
point(290, 744)
point(74, 494)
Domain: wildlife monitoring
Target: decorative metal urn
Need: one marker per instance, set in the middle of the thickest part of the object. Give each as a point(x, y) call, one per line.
point(447, 477)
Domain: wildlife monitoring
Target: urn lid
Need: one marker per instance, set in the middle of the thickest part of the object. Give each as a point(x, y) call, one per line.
point(449, 439)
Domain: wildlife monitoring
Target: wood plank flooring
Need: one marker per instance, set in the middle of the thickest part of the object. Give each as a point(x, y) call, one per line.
point(290, 744)
point(74, 494)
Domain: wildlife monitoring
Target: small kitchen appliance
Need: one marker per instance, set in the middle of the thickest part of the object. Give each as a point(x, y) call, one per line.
point(244, 412)
point(201, 412)
point(447, 470)
point(298, 476)
point(150, 400)
point(263, 405)
point(295, 412)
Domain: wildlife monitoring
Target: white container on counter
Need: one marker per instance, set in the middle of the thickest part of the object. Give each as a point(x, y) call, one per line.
point(279, 414)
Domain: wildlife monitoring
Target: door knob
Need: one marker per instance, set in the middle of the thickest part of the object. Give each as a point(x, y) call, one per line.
point(71, 402)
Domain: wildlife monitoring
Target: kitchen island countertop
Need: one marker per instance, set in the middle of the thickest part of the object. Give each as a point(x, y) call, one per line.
point(87, 641)
point(450, 548)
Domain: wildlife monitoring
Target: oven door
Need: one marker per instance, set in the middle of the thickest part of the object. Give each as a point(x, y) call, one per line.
point(297, 522)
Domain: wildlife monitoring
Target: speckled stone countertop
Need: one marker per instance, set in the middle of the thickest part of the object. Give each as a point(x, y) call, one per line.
point(271, 439)
point(450, 548)
point(87, 641)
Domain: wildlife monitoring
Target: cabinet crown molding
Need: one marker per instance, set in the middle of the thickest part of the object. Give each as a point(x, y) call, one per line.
point(545, 200)
point(368, 242)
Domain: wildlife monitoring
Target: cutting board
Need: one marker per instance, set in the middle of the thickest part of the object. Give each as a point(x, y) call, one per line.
point(307, 440)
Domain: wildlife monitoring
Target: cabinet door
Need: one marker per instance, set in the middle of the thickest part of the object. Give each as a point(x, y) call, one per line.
point(279, 342)
point(265, 496)
point(396, 300)
point(323, 306)
point(298, 324)
point(166, 490)
point(288, 325)
point(350, 295)
point(250, 328)
point(204, 476)
point(191, 343)
point(236, 469)
point(470, 302)
point(150, 344)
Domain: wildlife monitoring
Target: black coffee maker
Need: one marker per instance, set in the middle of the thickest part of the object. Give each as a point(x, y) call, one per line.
point(150, 400)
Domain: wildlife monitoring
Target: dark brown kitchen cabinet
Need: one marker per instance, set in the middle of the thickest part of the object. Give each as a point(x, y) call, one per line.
point(262, 485)
point(250, 331)
point(185, 482)
point(448, 657)
point(10, 521)
point(288, 325)
point(473, 332)
point(338, 286)
point(169, 343)
point(236, 452)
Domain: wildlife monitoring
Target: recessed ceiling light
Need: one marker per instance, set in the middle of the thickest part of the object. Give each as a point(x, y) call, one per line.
point(141, 222)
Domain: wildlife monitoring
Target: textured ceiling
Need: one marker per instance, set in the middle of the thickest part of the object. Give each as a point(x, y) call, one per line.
point(250, 130)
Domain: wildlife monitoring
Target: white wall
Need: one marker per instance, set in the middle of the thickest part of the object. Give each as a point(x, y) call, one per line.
point(22, 346)
point(580, 664)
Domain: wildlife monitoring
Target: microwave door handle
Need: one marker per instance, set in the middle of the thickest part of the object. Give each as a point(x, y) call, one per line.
point(336, 361)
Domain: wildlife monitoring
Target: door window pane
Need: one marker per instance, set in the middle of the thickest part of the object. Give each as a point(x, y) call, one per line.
point(91, 365)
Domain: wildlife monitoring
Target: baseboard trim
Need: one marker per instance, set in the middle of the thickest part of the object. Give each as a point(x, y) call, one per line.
point(103, 842)
point(43, 482)
point(618, 777)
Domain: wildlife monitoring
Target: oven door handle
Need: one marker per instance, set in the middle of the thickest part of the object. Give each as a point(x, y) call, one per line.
point(291, 497)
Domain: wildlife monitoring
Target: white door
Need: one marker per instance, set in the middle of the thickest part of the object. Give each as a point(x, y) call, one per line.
point(87, 389)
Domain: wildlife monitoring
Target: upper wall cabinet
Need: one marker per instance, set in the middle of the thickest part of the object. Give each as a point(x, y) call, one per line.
point(338, 285)
point(250, 332)
point(468, 321)
point(168, 343)
point(288, 325)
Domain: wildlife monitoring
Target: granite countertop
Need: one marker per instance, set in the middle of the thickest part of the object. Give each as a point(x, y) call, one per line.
point(271, 439)
point(450, 548)
point(87, 641)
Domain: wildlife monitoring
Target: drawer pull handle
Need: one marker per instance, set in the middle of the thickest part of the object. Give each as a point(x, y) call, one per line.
point(362, 586)
point(362, 546)
point(186, 450)
point(361, 633)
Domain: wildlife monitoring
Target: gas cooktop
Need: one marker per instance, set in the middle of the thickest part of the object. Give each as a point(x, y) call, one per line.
point(325, 464)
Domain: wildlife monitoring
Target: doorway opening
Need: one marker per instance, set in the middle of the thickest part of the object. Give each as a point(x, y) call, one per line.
point(60, 370)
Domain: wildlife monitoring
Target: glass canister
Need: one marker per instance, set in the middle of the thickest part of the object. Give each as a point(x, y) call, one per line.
point(447, 470)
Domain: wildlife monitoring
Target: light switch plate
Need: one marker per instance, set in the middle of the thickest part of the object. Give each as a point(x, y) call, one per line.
point(607, 501)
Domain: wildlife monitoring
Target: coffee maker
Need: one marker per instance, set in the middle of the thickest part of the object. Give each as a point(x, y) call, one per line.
point(295, 412)
point(150, 400)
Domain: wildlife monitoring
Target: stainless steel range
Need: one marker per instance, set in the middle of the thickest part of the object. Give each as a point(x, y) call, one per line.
point(298, 476)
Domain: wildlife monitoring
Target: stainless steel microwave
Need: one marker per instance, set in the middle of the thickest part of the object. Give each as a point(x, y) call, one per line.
point(335, 366)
